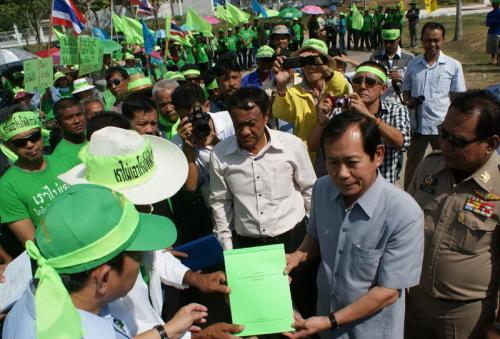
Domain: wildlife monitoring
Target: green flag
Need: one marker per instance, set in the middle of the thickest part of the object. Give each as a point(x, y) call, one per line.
point(357, 18)
point(117, 23)
point(58, 34)
point(195, 21)
point(168, 25)
point(237, 13)
point(132, 30)
point(222, 14)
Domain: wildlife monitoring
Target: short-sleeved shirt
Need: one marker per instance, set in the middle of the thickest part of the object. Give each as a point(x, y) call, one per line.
point(201, 53)
point(435, 83)
point(493, 22)
point(67, 152)
point(462, 247)
point(247, 37)
point(20, 322)
point(231, 43)
point(27, 194)
point(378, 241)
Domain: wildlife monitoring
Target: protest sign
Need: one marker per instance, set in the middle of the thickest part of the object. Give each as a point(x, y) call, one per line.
point(90, 54)
point(38, 74)
point(68, 50)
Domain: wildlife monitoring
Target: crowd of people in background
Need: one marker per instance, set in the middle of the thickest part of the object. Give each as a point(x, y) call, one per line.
point(260, 135)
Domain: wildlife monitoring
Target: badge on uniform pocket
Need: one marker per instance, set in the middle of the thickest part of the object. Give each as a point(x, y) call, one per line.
point(429, 182)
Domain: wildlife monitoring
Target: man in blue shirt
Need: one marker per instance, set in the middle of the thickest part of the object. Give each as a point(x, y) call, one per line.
point(262, 77)
point(431, 81)
point(368, 233)
point(493, 23)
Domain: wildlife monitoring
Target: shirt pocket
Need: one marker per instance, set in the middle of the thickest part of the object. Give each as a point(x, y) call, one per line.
point(471, 234)
point(365, 263)
point(443, 83)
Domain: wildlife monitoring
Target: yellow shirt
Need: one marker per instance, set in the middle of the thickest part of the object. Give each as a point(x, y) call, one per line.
point(299, 107)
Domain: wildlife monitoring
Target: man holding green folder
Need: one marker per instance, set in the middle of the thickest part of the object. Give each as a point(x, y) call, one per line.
point(369, 235)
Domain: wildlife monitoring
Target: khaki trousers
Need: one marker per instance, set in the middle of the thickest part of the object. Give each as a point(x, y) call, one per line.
point(416, 152)
point(432, 318)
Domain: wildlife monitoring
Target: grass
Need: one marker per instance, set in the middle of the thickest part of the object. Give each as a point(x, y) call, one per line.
point(470, 51)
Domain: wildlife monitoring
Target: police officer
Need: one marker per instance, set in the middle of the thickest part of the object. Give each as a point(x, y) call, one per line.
point(413, 15)
point(459, 190)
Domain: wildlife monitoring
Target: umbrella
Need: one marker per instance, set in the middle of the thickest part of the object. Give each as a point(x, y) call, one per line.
point(290, 13)
point(212, 20)
point(270, 13)
point(13, 56)
point(109, 46)
point(53, 52)
point(311, 9)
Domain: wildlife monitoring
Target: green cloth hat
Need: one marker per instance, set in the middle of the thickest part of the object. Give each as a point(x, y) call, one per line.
point(59, 75)
point(81, 85)
point(212, 85)
point(138, 82)
point(390, 34)
point(316, 45)
point(17, 123)
point(171, 75)
point(129, 56)
point(265, 52)
point(83, 228)
point(191, 73)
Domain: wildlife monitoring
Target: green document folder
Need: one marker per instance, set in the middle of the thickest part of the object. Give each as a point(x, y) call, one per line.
point(260, 294)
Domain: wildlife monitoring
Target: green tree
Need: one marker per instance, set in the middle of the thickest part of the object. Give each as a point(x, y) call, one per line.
point(25, 14)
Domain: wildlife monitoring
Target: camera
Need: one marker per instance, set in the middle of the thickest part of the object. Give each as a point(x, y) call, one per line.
point(298, 62)
point(200, 121)
point(341, 102)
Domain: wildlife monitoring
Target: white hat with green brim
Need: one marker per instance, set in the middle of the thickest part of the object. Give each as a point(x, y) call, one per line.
point(145, 168)
point(81, 85)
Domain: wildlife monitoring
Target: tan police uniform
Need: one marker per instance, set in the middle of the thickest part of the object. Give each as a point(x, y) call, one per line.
point(459, 284)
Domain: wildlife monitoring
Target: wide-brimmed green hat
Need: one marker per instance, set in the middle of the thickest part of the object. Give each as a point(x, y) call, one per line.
point(59, 75)
point(138, 82)
point(316, 45)
point(83, 228)
point(172, 75)
point(265, 52)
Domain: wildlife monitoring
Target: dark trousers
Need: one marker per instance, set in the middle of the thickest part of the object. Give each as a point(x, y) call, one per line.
point(413, 34)
point(350, 37)
point(366, 40)
point(342, 42)
point(303, 287)
point(377, 38)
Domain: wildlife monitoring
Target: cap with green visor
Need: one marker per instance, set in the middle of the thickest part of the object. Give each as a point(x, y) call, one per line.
point(70, 240)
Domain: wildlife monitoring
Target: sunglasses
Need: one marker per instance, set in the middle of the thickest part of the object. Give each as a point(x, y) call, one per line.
point(34, 137)
point(370, 82)
point(454, 139)
point(115, 82)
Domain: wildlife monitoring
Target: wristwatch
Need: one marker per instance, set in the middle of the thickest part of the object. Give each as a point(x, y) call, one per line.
point(161, 331)
point(333, 321)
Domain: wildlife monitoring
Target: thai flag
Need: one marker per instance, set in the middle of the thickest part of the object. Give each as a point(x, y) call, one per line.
point(65, 13)
point(176, 30)
point(144, 6)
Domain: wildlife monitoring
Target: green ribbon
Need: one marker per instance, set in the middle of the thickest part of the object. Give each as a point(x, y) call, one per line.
point(17, 123)
point(374, 71)
point(390, 34)
point(120, 171)
point(8, 153)
point(56, 316)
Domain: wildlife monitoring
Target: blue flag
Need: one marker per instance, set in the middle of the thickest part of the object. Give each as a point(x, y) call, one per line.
point(258, 8)
point(149, 39)
point(99, 33)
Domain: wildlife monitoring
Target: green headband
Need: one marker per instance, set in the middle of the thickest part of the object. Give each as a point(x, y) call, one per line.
point(19, 122)
point(139, 82)
point(63, 320)
point(120, 171)
point(191, 72)
point(212, 85)
point(374, 71)
point(390, 34)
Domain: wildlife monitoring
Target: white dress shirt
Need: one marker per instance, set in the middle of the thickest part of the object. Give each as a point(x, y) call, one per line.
point(265, 195)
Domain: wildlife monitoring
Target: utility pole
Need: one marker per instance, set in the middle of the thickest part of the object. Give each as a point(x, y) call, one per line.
point(458, 21)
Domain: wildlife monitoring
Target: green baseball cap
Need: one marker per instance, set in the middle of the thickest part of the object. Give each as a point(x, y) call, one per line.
point(83, 228)
point(316, 45)
point(265, 52)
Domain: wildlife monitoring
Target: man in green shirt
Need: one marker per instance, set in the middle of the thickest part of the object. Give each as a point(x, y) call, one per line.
point(29, 186)
point(231, 42)
point(379, 21)
point(73, 123)
point(366, 31)
point(237, 34)
point(246, 38)
point(201, 53)
point(398, 18)
point(221, 44)
point(298, 35)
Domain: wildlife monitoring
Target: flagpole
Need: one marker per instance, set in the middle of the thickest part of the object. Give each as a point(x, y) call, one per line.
point(112, 24)
point(50, 26)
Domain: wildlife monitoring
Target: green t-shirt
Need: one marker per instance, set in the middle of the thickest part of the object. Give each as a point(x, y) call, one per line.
point(231, 43)
point(297, 32)
point(189, 56)
point(26, 195)
point(67, 152)
point(201, 53)
point(367, 23)
point(246, 37)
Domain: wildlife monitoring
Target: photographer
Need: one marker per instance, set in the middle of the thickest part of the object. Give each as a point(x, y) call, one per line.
point(297, 104)
point(198, 132)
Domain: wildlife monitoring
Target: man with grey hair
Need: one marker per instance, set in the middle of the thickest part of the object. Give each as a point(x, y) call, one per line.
point(168, 119)
point(92, 107)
